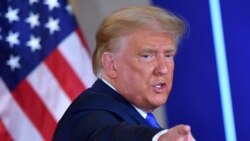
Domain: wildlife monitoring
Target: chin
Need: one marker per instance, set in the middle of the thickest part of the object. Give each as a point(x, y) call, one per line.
point(153, 107)
point(160, 102)
point(157, 103)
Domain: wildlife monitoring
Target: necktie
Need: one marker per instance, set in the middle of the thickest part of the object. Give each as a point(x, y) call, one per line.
point(151, 120)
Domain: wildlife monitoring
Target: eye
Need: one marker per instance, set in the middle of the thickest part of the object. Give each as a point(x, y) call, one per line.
point(170, 57)
point(147, 57)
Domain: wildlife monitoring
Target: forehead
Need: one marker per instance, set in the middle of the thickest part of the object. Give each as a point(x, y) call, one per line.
point(147, 39)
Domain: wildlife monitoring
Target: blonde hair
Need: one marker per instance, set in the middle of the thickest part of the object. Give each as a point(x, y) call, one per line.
point(129, 19)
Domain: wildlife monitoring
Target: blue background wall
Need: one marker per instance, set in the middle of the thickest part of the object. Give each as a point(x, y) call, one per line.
point(196, 98)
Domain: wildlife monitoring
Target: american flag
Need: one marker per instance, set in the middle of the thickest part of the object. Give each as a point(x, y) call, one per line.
point(44, 65)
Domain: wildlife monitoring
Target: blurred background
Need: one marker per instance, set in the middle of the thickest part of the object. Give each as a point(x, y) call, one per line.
point(211, 82)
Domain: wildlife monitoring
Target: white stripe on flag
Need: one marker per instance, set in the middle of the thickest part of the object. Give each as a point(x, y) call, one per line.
point(13, 118)
point(48, 89)
point(75, 53)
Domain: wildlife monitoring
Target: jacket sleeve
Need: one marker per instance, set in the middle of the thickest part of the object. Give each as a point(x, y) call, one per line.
point(98, 125)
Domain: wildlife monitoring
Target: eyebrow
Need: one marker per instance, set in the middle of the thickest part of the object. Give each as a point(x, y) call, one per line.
point(154, 51)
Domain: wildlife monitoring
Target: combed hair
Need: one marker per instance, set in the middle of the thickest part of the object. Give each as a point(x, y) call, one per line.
point(129, 19)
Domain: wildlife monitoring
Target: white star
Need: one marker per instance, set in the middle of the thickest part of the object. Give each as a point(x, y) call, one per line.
point(52, 25)
point(52, 4)
point(11, 15)
point(12, 38)
point(32, 1)
point(33, 20)
point(13, 62)
point(69, 8)
point(34, 43)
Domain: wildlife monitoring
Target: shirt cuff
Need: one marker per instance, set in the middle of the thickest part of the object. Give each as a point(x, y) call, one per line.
point(156, 136)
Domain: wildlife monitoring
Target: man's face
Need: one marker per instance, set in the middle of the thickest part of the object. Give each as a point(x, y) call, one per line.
point(144, 68)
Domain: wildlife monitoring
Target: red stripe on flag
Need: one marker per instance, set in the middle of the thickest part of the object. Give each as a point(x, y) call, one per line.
point(35, 109)
point(64, 74)
point(4, 135)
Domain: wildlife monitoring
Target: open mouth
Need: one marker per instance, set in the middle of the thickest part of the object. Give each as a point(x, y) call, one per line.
point(160, 87)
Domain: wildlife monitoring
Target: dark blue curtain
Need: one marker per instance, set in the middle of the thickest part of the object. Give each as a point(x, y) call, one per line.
point(196, 97)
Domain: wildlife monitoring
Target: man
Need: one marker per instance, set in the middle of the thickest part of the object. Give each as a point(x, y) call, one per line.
point(134, 62)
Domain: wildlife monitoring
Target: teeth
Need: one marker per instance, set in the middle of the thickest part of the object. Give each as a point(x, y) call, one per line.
point(158, 86)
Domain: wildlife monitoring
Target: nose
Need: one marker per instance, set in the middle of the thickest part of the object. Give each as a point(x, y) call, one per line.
point(161, 68)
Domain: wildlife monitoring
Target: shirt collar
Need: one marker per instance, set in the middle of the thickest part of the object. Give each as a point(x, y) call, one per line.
point(106, 82)
point(141, 112)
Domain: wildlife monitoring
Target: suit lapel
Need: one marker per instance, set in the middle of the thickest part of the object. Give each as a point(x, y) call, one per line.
point(129, 112)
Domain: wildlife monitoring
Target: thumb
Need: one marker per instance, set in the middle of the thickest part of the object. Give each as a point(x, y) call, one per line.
point(178, 133)
point(182, 130)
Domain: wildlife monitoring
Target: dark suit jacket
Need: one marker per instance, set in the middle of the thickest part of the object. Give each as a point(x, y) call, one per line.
point(101, 114)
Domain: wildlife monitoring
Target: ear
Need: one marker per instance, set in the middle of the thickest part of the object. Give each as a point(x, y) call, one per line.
point(108, 63)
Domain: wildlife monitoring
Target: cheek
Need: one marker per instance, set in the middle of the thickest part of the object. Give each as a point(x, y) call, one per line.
point(134, 74)
point(133, 82)
point(133, 68)
point(170, 68)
